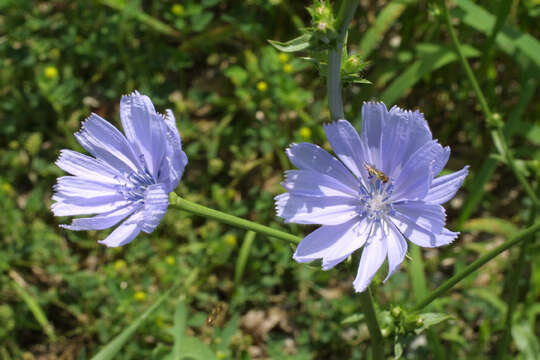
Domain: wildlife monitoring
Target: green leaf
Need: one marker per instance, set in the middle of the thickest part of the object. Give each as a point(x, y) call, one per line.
point(178, 330)
point(510, 40)
point(431, 319)
point(141, 16)
point(398, 348)
point(113, 348)
point(298, 44)
point(237, 75)
point(352, 319)
point(193, 348)
point(491, 225)
point(35, 309)
point(432, 58)
point(491, 298)
point(243, 257)
point(526, 340)
point(385, 19)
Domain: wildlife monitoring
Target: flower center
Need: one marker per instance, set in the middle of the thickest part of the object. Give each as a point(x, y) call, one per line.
point(133, 186)
point(374, 200)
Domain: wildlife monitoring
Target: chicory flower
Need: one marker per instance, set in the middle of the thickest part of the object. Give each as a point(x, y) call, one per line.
point(383, 189)
point(127, 177)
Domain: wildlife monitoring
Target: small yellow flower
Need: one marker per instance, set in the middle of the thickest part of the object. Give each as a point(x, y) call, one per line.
point(230, 239)
point(139, 295)
point(7, 188)
point(119, 264)
point(51, 72)
point(287, 68)
point(170, 260)
point(177, 9)
point(283, 57)
point(262, 86)
point(305, 132)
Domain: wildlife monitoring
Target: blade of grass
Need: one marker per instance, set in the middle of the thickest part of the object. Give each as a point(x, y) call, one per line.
point(33, 306)
point(420, 290)
point(475, 190)
point(385, 19)
point(243, 257)
point(142, 17)
point(493, 120)
point(437, 57)
point(111, 350)
point(509, 40)
point(475, 265)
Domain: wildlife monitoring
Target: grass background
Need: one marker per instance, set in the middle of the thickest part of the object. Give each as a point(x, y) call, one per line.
point(238, 104)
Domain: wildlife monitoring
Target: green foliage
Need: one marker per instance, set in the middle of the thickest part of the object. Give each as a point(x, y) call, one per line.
point(239, 102)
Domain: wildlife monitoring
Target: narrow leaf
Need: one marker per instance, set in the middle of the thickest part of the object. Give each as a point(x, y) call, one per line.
point(298, 44)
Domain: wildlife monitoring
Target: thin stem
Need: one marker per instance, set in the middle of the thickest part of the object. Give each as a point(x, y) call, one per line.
point(344, 18)
point(448, 284)
point(373, 325)
point(492, 121)
point(206, 212)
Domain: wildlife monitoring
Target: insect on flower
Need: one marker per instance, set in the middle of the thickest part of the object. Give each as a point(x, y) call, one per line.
point(376, 173)
point(126, 177)
point(380, 190)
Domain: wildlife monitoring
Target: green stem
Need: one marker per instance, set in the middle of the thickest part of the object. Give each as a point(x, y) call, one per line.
point(206, 212)
point(344, 18)
point(335, 103)
point(493, 121)
point(448, 284)
point(373, 325)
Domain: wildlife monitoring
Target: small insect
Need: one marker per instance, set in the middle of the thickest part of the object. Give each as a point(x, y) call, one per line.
point(217, 314)
point(376, 172)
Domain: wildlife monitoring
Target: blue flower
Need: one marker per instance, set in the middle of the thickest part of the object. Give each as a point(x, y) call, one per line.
point(382, 190)
point(126, 177)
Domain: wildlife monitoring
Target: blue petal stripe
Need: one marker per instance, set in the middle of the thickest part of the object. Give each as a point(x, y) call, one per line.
point(156, 202)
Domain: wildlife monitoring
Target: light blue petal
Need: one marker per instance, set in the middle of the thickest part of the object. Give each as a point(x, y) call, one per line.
point(440, 160)
point(83, 188)
point(320, 242)
point(125, 233)
point(175, 158)
point(347, 145)
point(420, 235)
point(404, 132)
point(397, 248)
point(351, 241)
point(306, 156)
point(74, 205)
point(445, 187)
point(415, 179)
point(312, 183)
point(373, 121)
point(431, 217)
point(145, 129)
point(156, 202)
point(316, 210)
point(102, 221)
point(87, 167)
point(105, 142)
point(373, 256)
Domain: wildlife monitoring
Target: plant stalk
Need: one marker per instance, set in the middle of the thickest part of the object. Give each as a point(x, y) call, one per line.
point(209, 213)
point(344, 18)
point(448, 284)
point(373, 325)
point(492, 121)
